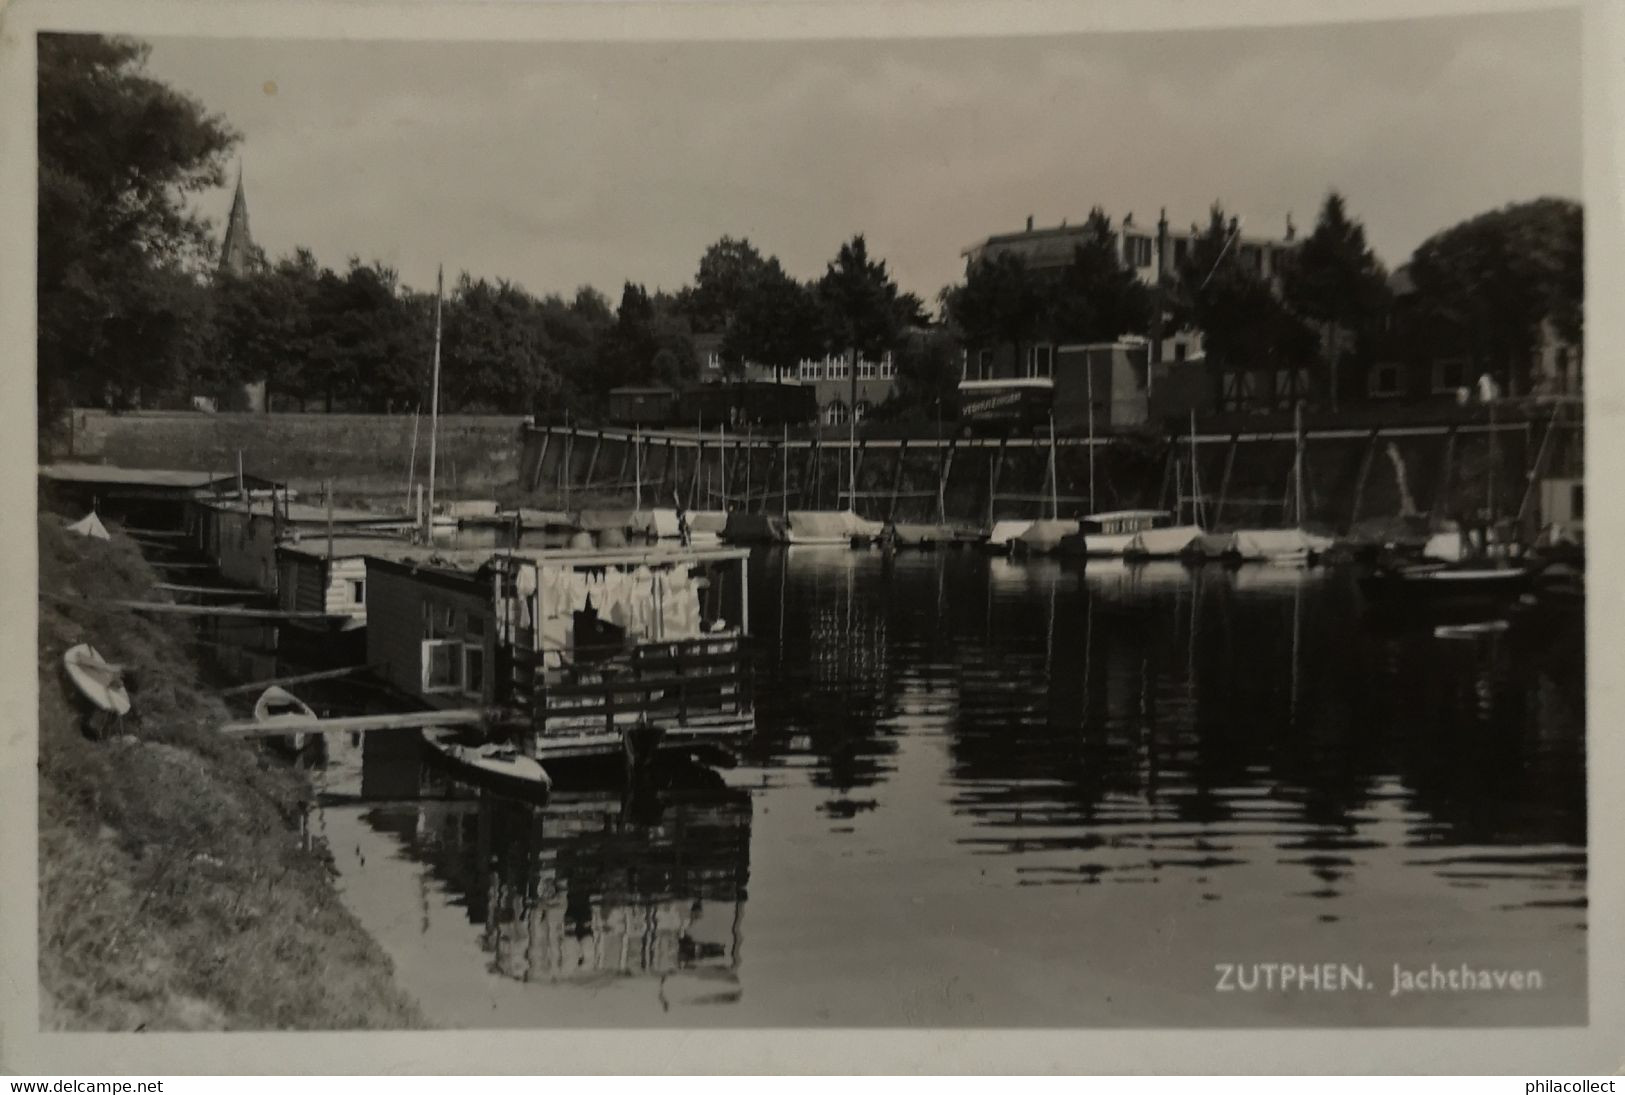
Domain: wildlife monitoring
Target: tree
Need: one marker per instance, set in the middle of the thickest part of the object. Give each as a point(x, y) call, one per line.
point(728, 270)
point(1242, 320)
point(1490, 281)
point(928, 366)
point(1335, 280)
point(266, 325)
point(118, 153)
point(1097, 298)
point(1000, 302)
point(864, 312)
point(778, 322)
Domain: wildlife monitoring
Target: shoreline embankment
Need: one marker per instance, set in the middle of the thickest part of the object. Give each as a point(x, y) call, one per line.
point(178, 889)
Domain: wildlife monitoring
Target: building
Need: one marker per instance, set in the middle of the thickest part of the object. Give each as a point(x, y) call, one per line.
point(1418, 358)
point(242, 538)
point(1110, 383)
point(830, 377)
point(237, 249)
point(1150, 251)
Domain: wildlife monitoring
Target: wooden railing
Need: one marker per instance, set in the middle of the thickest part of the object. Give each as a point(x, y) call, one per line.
point(669, 680)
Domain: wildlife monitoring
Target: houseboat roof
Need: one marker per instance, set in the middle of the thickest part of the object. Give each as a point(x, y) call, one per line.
point(468, 560)
point(155, 478)
point(352, 547)
point(1121, 514)
point(310, 513)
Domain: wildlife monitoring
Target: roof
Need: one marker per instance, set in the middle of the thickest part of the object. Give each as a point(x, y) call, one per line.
point(312, 514)
point(134, 477)
point(469, 560)
point(351, 547)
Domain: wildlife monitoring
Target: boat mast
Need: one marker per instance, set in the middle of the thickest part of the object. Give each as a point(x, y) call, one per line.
point(1089, 374)
point(722, 461)
point(852, 451)
point(784, 473)
point(637, 467)
point(1297, 462)
point(412, 462)
point(1196, 491)
point(1054, 486)
point(434, 403)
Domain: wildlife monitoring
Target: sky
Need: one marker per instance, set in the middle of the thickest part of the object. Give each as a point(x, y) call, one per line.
point(555, 165)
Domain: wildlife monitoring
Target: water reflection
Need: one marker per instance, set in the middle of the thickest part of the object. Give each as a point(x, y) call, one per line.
point(591, 886)
point(961, 760)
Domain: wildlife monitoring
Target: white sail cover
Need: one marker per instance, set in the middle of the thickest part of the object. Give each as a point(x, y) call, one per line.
point(90, 525)
point(661, 522)
point(1165, 542)
point(1044, 536)
point(827, 527)
point(1004, 532)
point(1446, 546)
point(1263, 545)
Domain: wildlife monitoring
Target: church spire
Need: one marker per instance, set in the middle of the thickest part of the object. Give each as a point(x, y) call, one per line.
point(238, 245)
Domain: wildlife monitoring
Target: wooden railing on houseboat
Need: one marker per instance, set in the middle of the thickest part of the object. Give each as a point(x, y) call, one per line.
point(596, 690)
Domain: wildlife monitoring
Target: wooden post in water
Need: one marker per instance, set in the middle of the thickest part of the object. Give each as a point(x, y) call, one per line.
point(784, 474)
point(1366, 460)
point(327, 498)
point(944, 469)
point(1441, 493)
point(993, 473)
point(242, 492)
point(897, 480)
point(592, 461)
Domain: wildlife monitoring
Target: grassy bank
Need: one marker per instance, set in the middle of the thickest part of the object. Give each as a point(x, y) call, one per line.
point(175, 889)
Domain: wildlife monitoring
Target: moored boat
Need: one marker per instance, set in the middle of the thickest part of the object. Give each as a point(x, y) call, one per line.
point(491, 762)
point(1001, 538)
point(278, 705)
point(1435, 583)
point(1111, 535)
point(101, 684)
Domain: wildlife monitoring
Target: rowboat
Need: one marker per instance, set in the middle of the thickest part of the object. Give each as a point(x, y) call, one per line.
point(101, 684)
point(1442, 583)
point(493, 763)
point(279, 705)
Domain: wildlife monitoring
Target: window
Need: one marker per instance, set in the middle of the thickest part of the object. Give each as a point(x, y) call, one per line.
point(1577, 502)
point(984, 364)
point(1449, 374)
point(866, 369)
point(713, 361)
point(1138, 250)
point(888, 366)
point(839, 368)
point(358, 591)
point(473, 669)
point(1385, 379)
point(861, 409)
point(1040, 361)
point(1252, 255)
point(1283, 388)
point(442, 661)
point(1179, 351)
point(809, 370)
point(835, 413)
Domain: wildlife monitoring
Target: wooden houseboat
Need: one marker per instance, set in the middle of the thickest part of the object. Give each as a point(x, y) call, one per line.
point(584, 653)
point(241, 538)
point(317, 574)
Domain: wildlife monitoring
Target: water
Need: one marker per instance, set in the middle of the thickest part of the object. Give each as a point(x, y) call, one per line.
point(1021, 794)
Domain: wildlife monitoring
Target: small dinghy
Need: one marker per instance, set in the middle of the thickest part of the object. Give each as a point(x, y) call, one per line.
point(101, 684)
point(279, 705)
point(1443, 583)
point(494, 763)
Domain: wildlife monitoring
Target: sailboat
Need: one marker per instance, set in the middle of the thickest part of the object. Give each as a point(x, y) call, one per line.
point(1479, 582)
point(1291, 546)
point(1175, 541)
point(840, 526)
point(1044, 536)
point(432, 520)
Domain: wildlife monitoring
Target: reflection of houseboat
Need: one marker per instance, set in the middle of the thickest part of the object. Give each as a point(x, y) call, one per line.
point(589, 653)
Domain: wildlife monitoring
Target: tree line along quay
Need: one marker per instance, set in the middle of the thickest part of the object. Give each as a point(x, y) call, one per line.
point(141, 302)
